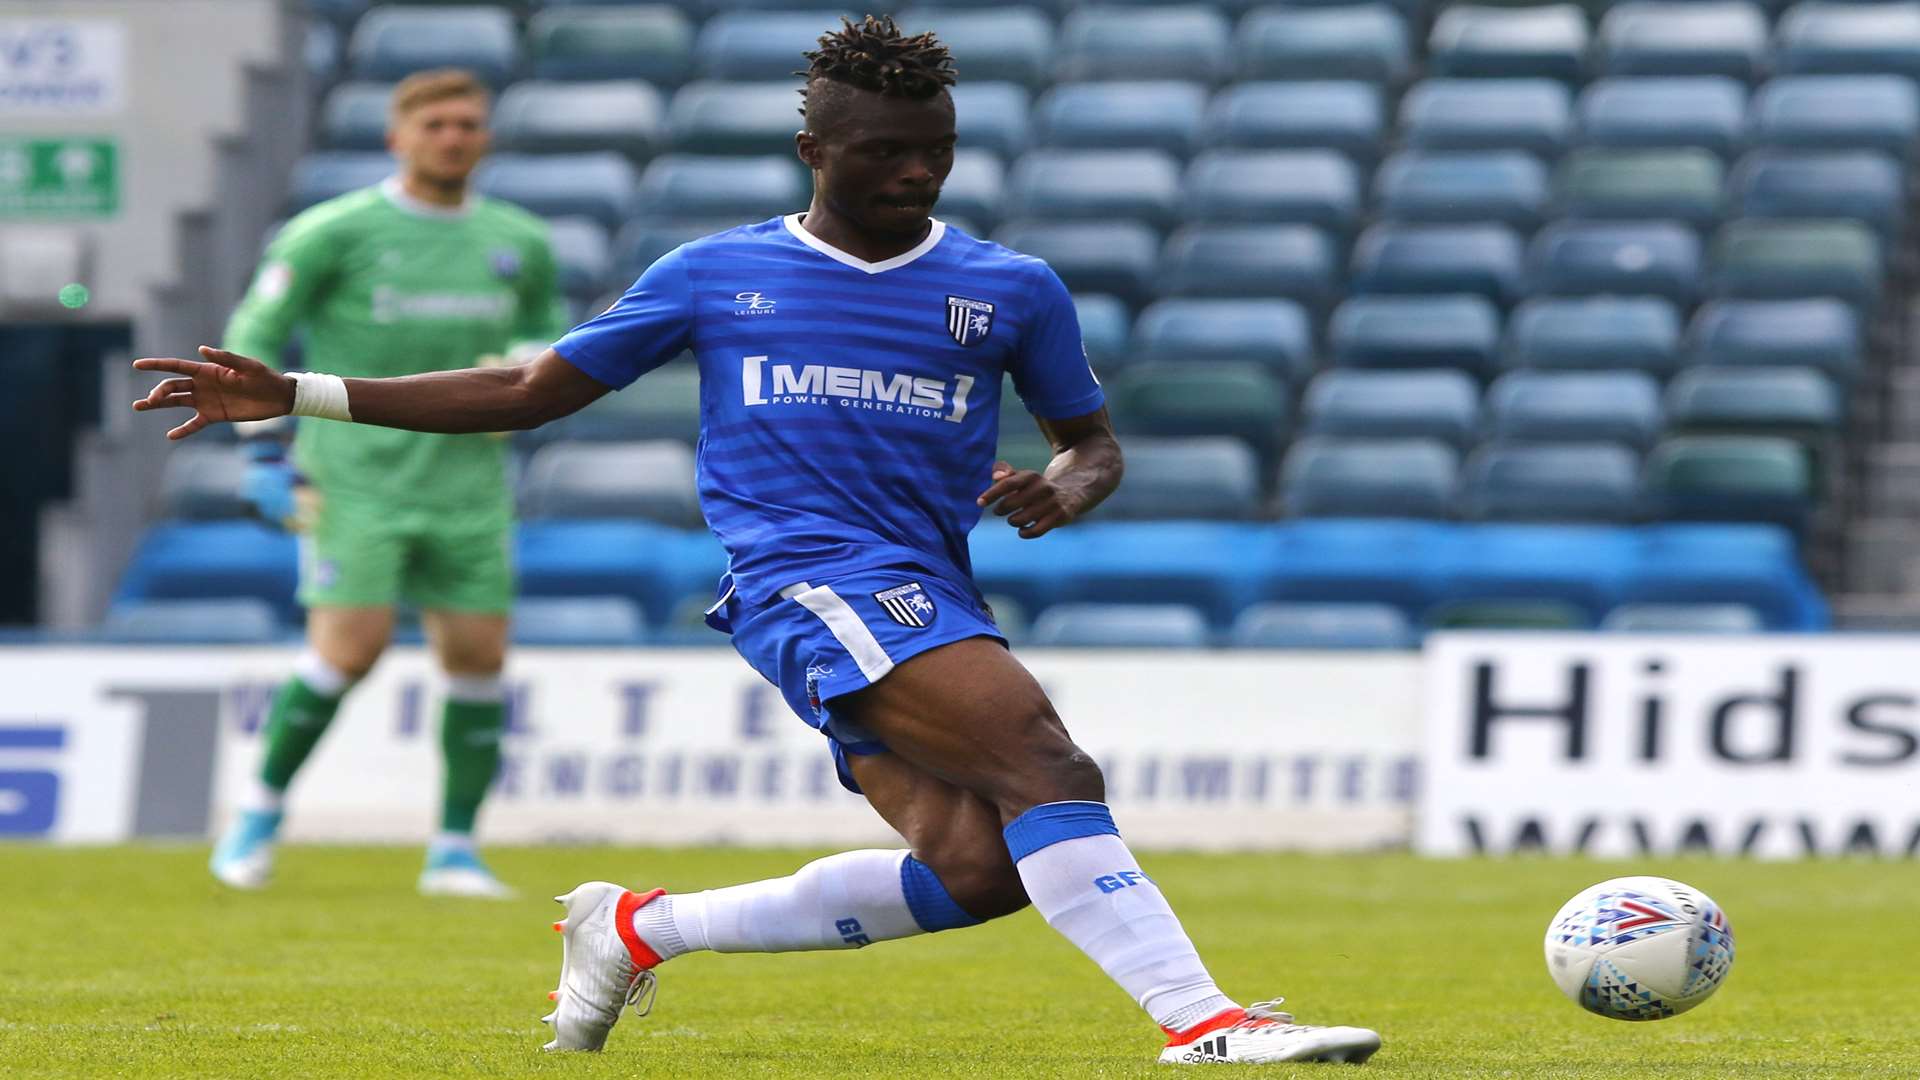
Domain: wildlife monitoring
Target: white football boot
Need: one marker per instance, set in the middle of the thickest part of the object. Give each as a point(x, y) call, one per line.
point(604, 966)
point(1262, 1034)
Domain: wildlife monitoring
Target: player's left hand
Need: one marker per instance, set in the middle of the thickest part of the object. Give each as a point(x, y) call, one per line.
point(221, 387)
point(1028, 500)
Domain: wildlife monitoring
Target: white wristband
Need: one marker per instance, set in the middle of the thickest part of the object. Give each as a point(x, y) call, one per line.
point(318, 394)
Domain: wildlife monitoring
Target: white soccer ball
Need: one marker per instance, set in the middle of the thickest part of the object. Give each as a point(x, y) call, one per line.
point(1639, 948)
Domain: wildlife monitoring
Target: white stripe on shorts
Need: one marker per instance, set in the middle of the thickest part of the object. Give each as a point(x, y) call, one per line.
point(848, 629)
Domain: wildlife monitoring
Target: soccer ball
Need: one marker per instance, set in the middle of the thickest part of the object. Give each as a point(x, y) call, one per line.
point(1639, 948)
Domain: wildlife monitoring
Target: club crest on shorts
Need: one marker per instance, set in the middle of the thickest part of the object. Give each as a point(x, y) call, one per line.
point(968, 320)
point(908, 605)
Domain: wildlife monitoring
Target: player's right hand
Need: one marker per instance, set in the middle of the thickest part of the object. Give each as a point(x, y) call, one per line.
point(226, 387)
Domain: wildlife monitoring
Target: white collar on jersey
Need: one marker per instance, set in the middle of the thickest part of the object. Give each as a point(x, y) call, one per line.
point(397, 195)
point(800, 233)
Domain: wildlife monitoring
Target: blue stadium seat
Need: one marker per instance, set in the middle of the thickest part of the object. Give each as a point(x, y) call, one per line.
point(734, 118)
point(1506, 186)
point(1323, 626)
point(1143, 43)
point(1295, 262)
point(1772, 400)
point(1848, 112)
point(1848, 39)
point(1344, 116)
point(1758, 260)
point(1195, 399)
point(1196, 478)
point(1415, 332)
point(1548, 42)
point(584, 254)
point(1731, 478)
point(1274, 333)
point(204, 482)
point(1105, 324)
point(1591, 482)
point(1599, 332)
point(1387, 478)
point(1443, 405)
point(749, 46)
point(1680, 184)
point(652, 565)
point(1358, 41)
point(330, 173)
point(1118, 258)
point(976, 189)
point(653, 42)
point(1864, 185)
point(1095, 185)
point(1535, 115)
point(338, 12)
point(1819, 333)
point(686, 186)
point(354, 116)
point(236, 621)
point(1001, 44)
point(1218, 565)
point(1480, 259)
point(1347, 561)
point(1162, 116)
point(577, 620)
point(320, 50)
point(192, 561)
point(992, 116)
point(1741, 564)
point(1542, 570)
point(1717, 37)
point(1313, 187)
point(1574, 406)
point(1139, 626)
point(588, 480)
point(394, 41)
point(1653, 618)
point(601, 186)
point(1576, 258)
point(1709, 112)
point(574, 117)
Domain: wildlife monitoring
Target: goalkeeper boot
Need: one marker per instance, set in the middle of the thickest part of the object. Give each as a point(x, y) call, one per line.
point(1261, 1033)
point(458, 871)
point(243, 859)
point(604, 965)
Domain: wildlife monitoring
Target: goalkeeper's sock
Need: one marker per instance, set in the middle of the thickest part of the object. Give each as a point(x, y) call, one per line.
point(1088, 886)
point(301, 711)
point(843, 901)
point(470, 724)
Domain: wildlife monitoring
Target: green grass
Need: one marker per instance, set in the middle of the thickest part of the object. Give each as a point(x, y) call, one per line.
point(130, 962)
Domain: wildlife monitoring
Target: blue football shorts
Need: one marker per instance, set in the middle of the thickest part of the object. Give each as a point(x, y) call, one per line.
point(823, 639)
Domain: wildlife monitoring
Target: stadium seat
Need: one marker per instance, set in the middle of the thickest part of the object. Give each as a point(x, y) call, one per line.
point(235, 621)
point(1754, 565)
point(1323, 626)
point(1163, 116)
point(1844, 112)
point(1546, 42)
point(1113, 257)
point(1505, 186)
point(1846, 39)
point(1347, 561)
point(1683, 619)
point(1709, 112)
point(651, 480)
point(394, 41)
point(320, 51)
point(1530, 575)
point(1139, 626)
point(1357, 41)
point(1479, 259)
point(1678, 184)
point(975, 189)
point(1218, 566)
point(1575, 406)
point(598, 185)
point(577, 620)
point(584, 256)
point(1386, 478)
point(652, 565)
point(1730, 478)
point(338, 12)
point(1502, 614)
point(1759, 260)
point(354, 116)
point(1344, 116)
point(1095, 185)
point(734, 118)
point(664, 404)
point(1863, 185)
point(992, 116)
point(1776, 400)
point(1295, 262)
point(750, 46)
point(1273, 333)
point(1715, 37)
point(1590, 482)
point(1001, 44)
point(1821, 334)
point(1637, 332)
point(1105, 325)
point(653, 42)
point(1415, 332)
point(196, 560)
point(1195, 399)
point(1098, 43)
point(564, 117)
point(1312, 187)
point(1535, 115)
point(204, 482)
point(1197, 478)
point(1580, 258)
point(641, 242)
point(686, 186)
point(330, 173)
point(1443, 405)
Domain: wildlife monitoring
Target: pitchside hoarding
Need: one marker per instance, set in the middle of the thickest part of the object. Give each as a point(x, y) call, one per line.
point(1618, 745)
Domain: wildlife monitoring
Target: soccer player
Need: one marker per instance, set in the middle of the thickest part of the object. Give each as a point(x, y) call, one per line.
point(415, 274)
point(851, 361)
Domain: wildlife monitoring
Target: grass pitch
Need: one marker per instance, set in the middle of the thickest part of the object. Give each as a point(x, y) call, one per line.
point(131, 962)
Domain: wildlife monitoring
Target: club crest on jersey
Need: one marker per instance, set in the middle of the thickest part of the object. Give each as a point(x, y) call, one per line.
point(968, 320)
point(908, 605)
point(506, 263)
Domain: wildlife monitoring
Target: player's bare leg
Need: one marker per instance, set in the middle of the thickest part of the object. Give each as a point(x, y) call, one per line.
point(471, 649)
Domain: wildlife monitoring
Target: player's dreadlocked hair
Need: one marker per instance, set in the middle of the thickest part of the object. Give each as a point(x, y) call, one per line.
point(873, 55)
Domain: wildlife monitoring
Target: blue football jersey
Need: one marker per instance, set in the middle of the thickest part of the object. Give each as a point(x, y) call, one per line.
point(849, 411)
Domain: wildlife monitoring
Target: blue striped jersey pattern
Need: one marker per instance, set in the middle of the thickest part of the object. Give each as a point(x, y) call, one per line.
point(849, 411)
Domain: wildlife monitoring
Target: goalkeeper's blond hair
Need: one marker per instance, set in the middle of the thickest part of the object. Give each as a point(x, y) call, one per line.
point(424, 88)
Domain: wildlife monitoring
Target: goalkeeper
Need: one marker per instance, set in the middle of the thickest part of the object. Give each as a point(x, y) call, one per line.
point(415, 274)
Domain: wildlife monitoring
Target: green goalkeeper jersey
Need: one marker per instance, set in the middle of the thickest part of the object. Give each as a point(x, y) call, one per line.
point(379, 284)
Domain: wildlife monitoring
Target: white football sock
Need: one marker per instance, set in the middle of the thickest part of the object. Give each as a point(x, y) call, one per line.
point(1088, 886)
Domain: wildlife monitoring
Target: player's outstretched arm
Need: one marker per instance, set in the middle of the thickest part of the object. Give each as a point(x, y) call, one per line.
point(1085, 469)
point(224, 386)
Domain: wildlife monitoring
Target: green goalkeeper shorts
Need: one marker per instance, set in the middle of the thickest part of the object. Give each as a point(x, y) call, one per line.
point(370, 553)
